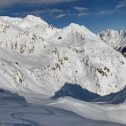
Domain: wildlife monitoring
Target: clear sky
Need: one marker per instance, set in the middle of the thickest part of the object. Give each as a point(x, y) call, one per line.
point(97, 15)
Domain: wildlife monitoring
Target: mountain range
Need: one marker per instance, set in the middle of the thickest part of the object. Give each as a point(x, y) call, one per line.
point(61, 76)
point(37, 57)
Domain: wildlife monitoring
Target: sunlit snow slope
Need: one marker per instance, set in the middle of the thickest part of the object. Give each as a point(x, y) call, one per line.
point(39, 58)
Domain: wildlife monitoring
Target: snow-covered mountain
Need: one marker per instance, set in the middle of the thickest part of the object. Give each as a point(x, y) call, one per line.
point(115, 39)
point(39, 58)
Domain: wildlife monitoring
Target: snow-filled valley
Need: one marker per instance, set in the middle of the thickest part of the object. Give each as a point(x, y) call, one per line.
point(15, 111)
point(60, 77)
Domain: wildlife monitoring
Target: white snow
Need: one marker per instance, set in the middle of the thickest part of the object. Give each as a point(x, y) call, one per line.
point(48, 57)
point(15, 111)
point(114, 38)
point(37, 59)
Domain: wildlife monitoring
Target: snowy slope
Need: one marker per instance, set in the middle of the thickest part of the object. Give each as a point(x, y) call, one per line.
point(111, 113)
point(115, 39)
point(39, 58)
point(15, 111)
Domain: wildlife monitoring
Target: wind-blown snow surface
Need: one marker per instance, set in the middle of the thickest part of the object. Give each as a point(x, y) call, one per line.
point(37, 59)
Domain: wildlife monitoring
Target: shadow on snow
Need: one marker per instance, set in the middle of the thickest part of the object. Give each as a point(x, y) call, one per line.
point(76, 91)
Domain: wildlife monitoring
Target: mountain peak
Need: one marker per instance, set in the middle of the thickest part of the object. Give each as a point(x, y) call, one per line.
point(33, 18)
point(82, 30)
point(78, 27)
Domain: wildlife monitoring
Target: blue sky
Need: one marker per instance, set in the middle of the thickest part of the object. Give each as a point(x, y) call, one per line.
point(97, 15)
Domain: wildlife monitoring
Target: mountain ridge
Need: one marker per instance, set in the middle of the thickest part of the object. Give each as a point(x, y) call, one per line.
point(39, 58)
point(115, 39)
